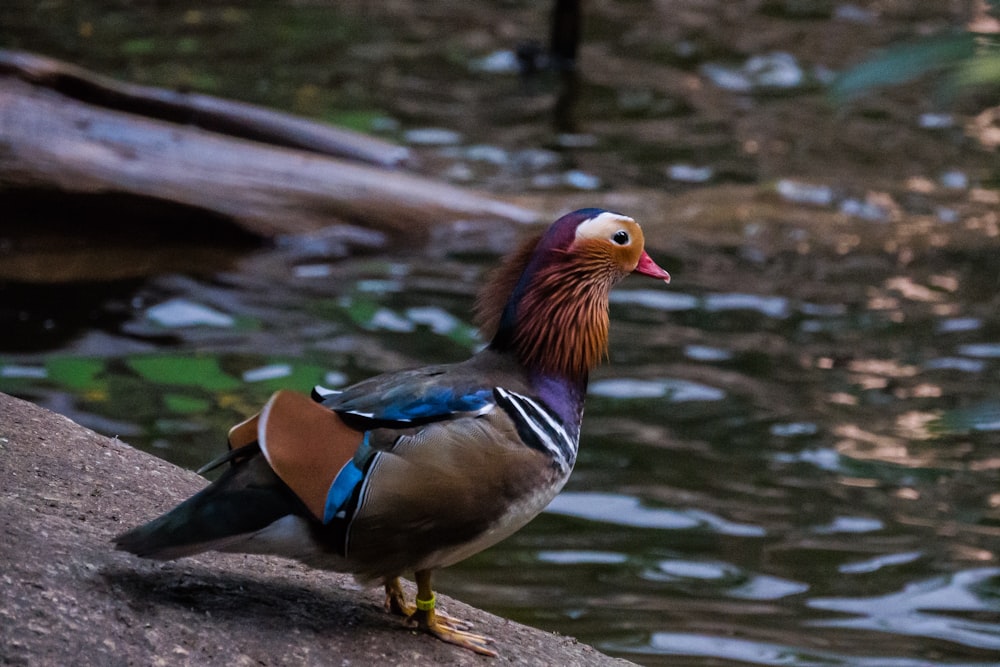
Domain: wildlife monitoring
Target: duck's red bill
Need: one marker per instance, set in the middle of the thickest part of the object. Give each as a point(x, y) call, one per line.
point(648, 267)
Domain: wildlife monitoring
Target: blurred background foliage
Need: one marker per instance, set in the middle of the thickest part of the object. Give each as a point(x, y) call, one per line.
point(964, 60)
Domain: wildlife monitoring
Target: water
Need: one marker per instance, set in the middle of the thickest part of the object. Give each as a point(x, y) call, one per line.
point(729, 506)
point(790, 457)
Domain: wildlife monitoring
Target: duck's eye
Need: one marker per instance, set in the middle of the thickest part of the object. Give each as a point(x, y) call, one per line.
point(620, 237)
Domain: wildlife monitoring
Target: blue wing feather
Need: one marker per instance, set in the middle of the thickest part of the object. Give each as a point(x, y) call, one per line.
point(438, 402)
point(402, 400)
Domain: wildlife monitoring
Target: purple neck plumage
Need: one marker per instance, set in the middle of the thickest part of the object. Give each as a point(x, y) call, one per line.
point(564, 397)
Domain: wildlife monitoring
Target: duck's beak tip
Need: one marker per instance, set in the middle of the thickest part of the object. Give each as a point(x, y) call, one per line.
point(648, 267)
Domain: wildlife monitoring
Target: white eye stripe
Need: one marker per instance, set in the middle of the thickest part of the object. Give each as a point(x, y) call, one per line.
point(603, 225)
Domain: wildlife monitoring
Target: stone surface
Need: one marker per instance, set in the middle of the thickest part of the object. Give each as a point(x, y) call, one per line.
point(67, 597)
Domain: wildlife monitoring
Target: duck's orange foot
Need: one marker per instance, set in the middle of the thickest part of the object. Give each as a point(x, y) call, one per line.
point(424, 617)
point(451, 630)
point(395, 599)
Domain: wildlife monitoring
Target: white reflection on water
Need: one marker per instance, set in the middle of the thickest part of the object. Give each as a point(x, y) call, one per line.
point(765, 653)
point(675, 391)
point(955, 364)
point(269, 372)
point(766, 587)
point(980, 350)
point(16, 371)
point(918, 609)
point(958, 324)
point(849, 524)
point(706, 353)
point(686, 569)
point(385, 319)
point(879, 562)
point(823, 458)
point(794, 429)
point(730, 580)
point(655, 299)
point(582, 557)
point(439, 320)
point(181, 312)
point(628, 511)
point(771, 306)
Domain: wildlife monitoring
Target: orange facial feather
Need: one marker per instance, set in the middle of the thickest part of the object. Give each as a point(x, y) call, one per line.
point(562, 320)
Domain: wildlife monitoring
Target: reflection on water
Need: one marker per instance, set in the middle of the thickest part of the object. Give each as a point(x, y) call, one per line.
point(764, 653)
point(930, 608)
point(794, 501)
point(675, 391)
point(625, 511)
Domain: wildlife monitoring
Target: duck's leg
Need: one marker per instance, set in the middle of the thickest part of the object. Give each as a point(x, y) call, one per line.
point(424, 616)
point(395, 603)
point(395, 598)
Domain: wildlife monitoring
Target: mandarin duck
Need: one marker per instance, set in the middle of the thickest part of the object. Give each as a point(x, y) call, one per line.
point(416, 470)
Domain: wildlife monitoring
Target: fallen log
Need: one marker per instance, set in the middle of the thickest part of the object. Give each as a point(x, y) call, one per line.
point(238, 119)
point(51, 141)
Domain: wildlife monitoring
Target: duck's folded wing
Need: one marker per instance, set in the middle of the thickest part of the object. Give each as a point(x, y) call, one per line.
point(409, 398)
point(322, 451)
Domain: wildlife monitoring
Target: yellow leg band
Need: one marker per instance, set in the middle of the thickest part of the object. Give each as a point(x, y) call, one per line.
point(426, 605)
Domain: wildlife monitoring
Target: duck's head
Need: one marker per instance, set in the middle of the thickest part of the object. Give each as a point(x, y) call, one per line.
point(607, 243)
point(548, 302)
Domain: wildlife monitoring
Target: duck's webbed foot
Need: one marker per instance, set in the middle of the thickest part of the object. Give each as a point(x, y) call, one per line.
point(425, 617)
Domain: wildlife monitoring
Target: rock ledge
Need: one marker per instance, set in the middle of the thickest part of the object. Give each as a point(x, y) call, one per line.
point(66, 597)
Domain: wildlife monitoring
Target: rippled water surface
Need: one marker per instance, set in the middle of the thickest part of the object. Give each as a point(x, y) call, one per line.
point(791, 456)
point(760, 501)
